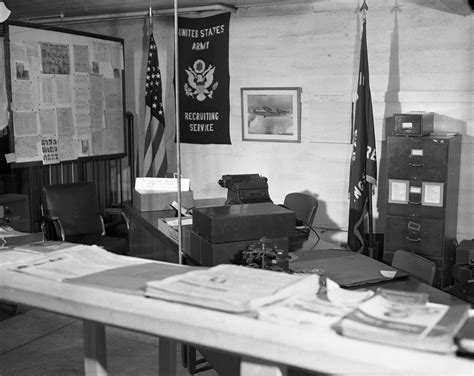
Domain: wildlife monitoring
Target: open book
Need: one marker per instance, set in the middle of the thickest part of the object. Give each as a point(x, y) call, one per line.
point(232, 288)
point(406, 319)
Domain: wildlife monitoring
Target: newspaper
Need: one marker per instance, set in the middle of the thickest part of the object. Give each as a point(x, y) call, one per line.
point(74, 262)
point(232, 288)
point(10, 256)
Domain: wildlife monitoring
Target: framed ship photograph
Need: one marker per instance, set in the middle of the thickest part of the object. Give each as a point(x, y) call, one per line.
point(271, 114)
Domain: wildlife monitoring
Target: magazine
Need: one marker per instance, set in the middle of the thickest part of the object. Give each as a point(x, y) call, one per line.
point(406, 319)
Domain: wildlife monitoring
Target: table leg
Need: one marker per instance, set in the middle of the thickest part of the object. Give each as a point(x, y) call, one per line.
point(95, 356)
point(251, 367)
point(167, 349)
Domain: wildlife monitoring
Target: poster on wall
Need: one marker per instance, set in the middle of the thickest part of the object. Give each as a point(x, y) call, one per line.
point(204, 79)
point(66, 94)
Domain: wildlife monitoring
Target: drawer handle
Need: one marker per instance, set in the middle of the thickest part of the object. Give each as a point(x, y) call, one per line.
point(417, 240)
point(416, 164)
point(414, 203)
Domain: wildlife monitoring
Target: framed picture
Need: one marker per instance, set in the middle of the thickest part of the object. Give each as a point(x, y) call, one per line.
point(271, 114)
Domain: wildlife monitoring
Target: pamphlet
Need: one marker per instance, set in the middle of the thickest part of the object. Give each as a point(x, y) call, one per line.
point(406, 319)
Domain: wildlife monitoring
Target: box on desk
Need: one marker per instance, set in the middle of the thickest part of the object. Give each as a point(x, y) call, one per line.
point(152, 194)
point(206, 253)
point(148, 200)
point(231, 223)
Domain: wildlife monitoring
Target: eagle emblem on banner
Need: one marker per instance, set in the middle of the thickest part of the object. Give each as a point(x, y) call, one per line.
point(201, 84)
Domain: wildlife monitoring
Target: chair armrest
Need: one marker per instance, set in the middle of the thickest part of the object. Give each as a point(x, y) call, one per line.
point(117, 219)
point(52, 228)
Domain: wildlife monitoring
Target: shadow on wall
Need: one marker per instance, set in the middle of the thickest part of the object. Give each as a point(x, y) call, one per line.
point(322, 219)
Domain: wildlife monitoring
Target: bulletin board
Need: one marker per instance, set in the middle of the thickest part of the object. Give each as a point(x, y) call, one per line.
point(66, 94)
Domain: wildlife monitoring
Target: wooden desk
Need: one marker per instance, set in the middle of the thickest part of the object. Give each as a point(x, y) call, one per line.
point(146, 241)
point(262, 348)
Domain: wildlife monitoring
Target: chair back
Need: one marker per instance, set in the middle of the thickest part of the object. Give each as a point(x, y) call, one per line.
point(417, 266)
point(76, 205)
point(304, 206)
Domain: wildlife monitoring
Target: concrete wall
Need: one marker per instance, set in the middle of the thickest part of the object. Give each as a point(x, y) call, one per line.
point(421, 57)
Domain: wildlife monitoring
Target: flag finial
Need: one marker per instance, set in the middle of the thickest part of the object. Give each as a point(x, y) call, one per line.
point(363, 9)
point(150, 20)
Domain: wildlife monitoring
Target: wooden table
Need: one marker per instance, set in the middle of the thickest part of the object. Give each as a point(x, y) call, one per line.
point(262, 348)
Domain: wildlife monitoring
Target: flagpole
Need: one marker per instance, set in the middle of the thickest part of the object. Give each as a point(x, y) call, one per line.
point(370, 248)
point(178, 143)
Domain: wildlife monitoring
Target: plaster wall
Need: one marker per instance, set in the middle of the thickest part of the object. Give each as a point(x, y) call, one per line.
point(421, 58)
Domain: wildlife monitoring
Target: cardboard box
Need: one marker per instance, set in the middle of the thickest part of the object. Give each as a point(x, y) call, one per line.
point(148, 200)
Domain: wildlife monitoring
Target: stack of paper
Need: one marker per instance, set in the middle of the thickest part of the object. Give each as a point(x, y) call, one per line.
point(232, 288)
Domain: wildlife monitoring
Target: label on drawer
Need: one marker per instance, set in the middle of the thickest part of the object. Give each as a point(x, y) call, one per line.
point(416, 190)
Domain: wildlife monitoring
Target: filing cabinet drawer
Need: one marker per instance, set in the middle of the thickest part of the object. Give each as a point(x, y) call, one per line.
point(423, 236)
point(418, 158)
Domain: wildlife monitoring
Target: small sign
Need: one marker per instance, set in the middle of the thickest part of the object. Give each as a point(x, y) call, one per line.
point(161, 184)
point(398, 191)
point(432, 194)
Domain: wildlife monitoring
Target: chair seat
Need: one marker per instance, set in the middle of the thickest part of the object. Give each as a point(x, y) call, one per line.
point(111, 244)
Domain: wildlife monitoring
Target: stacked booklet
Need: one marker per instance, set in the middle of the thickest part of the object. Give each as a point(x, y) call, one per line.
point(232, 288)
point(406, 319)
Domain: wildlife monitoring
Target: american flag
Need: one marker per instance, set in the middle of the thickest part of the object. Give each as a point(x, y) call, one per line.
point(155, 163)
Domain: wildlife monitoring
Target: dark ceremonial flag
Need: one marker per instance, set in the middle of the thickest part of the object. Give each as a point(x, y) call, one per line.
point(155, 163)
point(363, 170)
point(203, 55)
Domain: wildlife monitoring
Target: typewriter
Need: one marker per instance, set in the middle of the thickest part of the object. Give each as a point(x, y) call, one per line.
point(245, 188)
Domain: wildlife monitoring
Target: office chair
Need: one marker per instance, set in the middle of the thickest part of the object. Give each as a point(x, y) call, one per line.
point(304, 206)
point(417, 266)
point(70, 212)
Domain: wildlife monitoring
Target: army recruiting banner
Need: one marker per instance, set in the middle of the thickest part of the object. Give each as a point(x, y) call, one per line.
point(204, 79)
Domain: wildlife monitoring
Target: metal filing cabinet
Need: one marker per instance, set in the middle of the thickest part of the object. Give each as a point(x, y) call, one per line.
point(423, 185)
